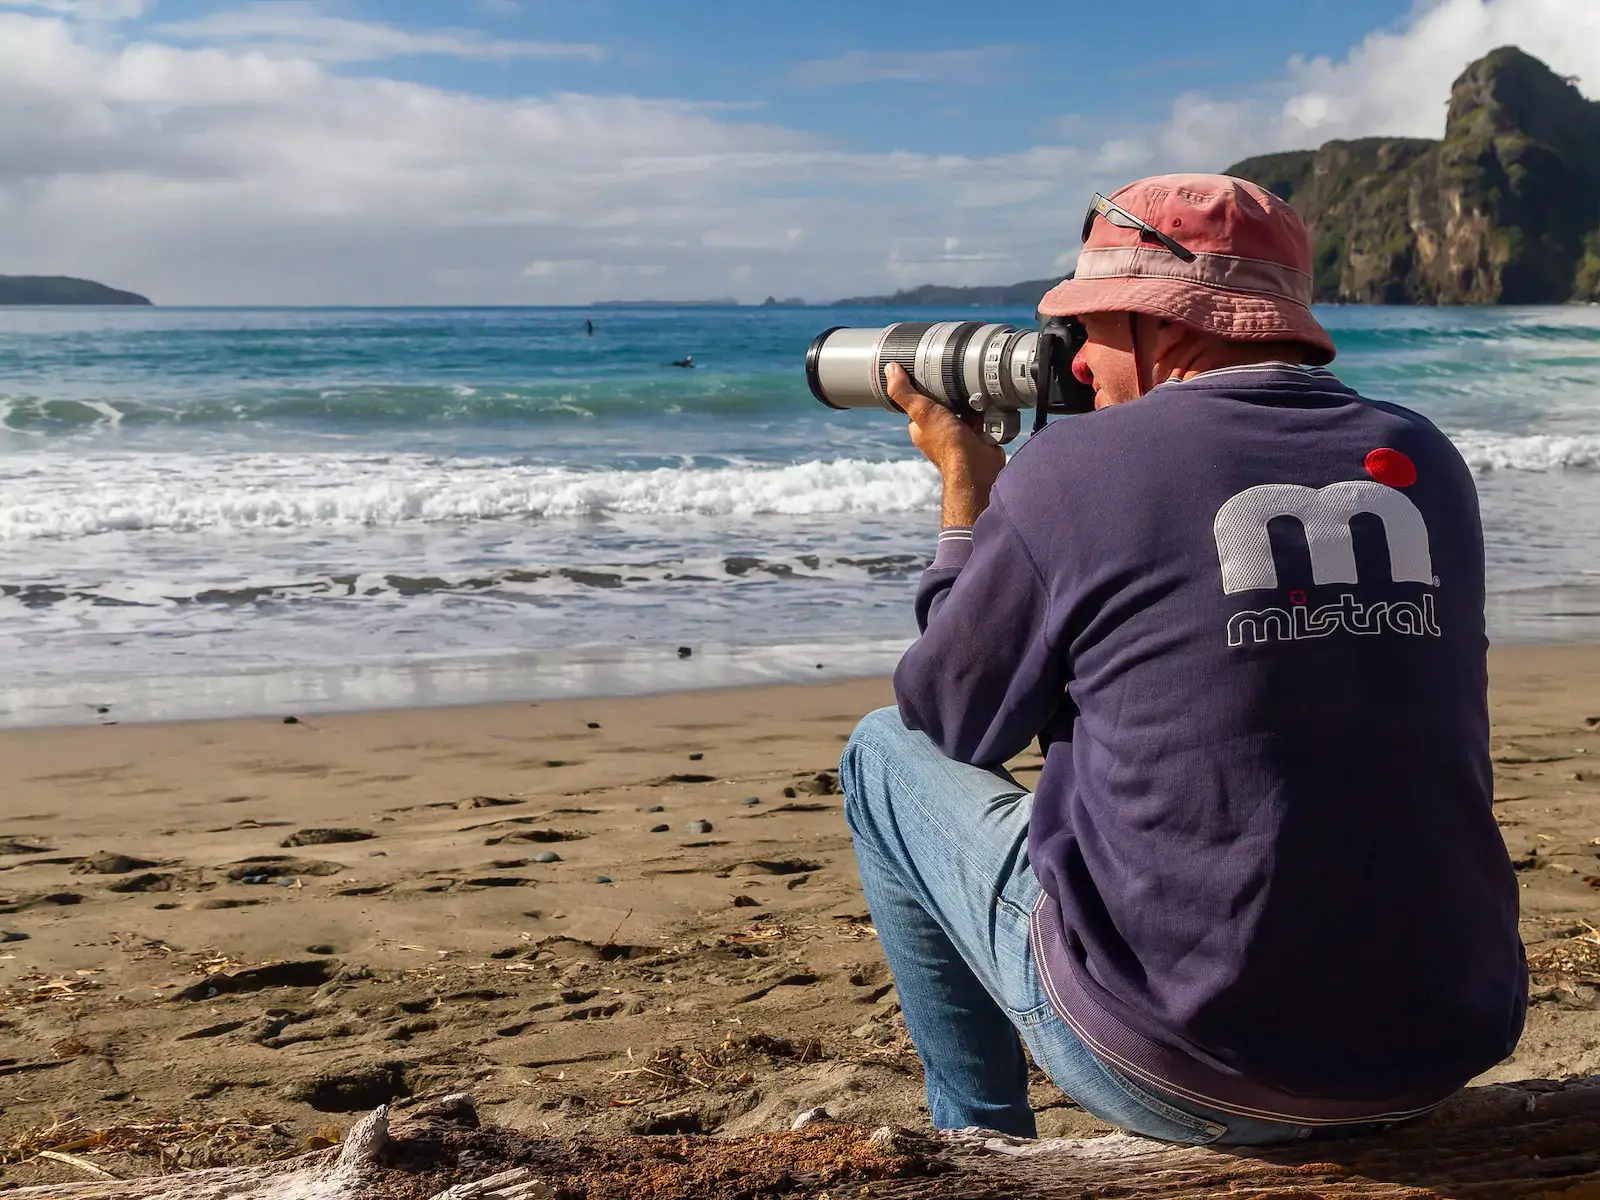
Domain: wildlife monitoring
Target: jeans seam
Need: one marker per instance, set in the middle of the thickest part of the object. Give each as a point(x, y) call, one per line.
point(1159, 1107)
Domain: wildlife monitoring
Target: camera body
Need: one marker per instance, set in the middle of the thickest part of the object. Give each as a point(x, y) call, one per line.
point(983, 371)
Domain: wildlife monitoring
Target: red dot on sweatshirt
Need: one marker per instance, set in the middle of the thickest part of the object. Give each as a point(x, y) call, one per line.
point(1391, 467)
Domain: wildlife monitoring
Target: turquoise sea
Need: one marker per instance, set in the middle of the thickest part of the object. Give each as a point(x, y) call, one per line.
point(214, 511)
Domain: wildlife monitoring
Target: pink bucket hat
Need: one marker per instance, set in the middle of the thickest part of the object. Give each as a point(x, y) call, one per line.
point(1250, 280)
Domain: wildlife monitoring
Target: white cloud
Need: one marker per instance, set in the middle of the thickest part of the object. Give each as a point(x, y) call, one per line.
point(225, 173)
point(1395, 82)
point(296, 28)
point(957, 68)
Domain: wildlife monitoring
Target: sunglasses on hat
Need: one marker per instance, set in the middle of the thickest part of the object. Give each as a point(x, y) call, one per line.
point(1123, 219)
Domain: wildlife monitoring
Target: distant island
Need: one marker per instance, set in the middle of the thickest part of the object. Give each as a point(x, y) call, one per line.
point(61, 289)
point(1504, 210)
point(932, 295)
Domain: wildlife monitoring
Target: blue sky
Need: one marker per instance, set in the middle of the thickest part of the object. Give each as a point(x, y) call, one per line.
point(527, 151)
point(934, 76)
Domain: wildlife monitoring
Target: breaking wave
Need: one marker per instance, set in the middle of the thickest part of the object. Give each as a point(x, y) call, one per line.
point(66, 498)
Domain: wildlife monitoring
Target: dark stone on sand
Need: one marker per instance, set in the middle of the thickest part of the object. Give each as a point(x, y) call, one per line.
point(594, 724)
point(746, 902)
point(696, 756)
point(749, 800)
point(102, 709)
point(602, 879)
point(324, 837)
point(221, 903)
point(660, 828)
point(652, 808)
point(291, 720)
point(106, 862)
point(546, 856)
point(789, 793)
point(823, 783)
point(320, 948)
point(684, 651)
point(697, 827)
point(12, 935)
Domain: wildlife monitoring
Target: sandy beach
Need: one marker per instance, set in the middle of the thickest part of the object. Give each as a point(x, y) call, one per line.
point(223, 937)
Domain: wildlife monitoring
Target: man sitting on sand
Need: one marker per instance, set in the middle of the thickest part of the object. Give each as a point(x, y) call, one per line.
point(1258, 893)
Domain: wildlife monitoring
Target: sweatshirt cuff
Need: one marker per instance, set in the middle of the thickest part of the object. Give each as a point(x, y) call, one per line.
point(955, 547)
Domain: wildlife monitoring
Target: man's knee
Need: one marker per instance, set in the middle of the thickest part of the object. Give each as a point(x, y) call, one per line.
point(871, 747)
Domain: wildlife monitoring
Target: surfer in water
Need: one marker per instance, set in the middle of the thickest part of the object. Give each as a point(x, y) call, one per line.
point(686, 361)
point(588, 327)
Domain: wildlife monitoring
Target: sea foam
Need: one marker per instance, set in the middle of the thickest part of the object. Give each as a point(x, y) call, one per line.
point(52, 495)
point(60, 497)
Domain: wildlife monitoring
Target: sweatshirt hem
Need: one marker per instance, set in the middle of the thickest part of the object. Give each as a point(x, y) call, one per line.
point(1178, 1075)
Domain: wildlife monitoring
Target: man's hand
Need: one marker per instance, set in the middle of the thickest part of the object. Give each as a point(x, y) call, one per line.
point(967, 463)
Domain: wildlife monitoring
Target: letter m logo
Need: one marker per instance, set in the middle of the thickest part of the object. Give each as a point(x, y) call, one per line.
point(1245, 550)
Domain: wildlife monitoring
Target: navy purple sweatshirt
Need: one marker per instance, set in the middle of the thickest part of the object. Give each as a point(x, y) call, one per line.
point(1244, 615)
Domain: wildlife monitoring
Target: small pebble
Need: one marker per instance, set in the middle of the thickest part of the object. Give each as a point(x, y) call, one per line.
point(319, 948)
point(254, 879)
point(746, 902)
point(684, 651)
point(602, 879)
point(287, 882)
point(291, 720)
point(749, 800)
point(696, 756)
point(653, 808)
point(697, 827)
point(546, 856)
point(12, 935)
point(811, 1116)
point(102, 709)
point(819, 666)
point(660, 828)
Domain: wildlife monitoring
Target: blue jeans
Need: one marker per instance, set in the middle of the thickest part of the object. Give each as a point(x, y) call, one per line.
point(943, 853)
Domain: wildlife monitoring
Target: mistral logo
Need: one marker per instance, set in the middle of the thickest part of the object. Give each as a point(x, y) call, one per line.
point(1244, 549)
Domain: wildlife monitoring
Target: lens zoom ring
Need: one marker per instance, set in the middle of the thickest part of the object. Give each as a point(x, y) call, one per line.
point(951, 371)
point(900, 346)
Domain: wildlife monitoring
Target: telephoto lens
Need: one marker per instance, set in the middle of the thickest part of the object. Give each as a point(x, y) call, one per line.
point(985, 372)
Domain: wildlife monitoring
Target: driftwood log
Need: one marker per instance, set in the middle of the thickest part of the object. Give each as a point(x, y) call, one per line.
point(1536, 1139)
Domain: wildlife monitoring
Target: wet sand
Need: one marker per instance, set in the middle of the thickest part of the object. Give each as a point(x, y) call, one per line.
point(199, 962)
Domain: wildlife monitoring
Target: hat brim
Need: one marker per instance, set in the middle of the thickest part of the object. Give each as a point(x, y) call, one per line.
point(1231, 315)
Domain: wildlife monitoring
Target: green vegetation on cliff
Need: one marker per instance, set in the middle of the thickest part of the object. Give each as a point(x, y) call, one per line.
point(1504, 210)
point(61, 289)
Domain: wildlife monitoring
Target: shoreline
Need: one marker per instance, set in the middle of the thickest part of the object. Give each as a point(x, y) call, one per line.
point(478, 681)
point(283, 925)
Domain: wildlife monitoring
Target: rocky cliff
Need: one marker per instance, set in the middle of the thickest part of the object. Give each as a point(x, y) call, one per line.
point(61, 289)
point(1504, 210)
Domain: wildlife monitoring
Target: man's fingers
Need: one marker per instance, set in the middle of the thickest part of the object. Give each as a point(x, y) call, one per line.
point(915, 405)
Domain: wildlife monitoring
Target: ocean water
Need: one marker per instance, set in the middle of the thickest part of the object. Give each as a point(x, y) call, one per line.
point(251, 511)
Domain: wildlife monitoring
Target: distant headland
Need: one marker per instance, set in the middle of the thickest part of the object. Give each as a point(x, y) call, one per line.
point(61, 289)
point(1026, 294)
